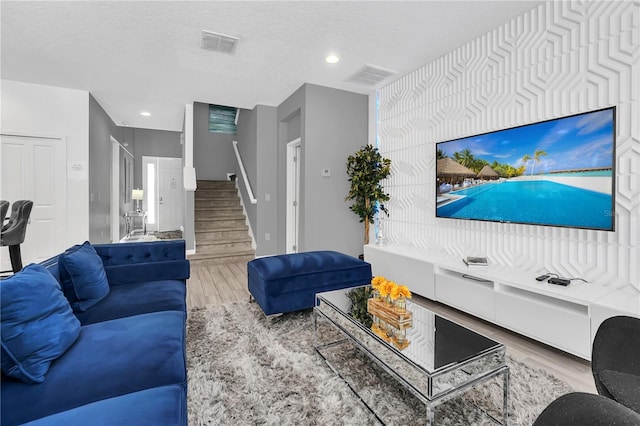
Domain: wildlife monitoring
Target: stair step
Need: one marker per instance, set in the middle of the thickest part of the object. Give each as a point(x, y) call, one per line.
point(214, 202)
point(223, 252)
point(214, 213)
point(209, 184)
point(224, 193)
point(223, 255)
point(212, 245)
point(220, 260)
point(224, 234)
point(213, 224)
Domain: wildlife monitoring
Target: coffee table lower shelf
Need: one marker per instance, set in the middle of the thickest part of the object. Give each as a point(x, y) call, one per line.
point(347, 331)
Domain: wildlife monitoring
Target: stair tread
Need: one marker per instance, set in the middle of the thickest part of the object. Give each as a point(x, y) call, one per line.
point(223, 208)
point(225, 251)
point(222, 228)
point(199, 256)
point(222, 241)
point(219, 219)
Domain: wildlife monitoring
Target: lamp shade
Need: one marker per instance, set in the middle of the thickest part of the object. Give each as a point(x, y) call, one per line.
point(136, 194)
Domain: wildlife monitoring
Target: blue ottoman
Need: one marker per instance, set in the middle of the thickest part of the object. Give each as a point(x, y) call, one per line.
point(287, 283)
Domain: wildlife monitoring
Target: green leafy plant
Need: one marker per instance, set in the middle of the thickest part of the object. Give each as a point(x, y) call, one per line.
point(359, 297)
point(366, 168)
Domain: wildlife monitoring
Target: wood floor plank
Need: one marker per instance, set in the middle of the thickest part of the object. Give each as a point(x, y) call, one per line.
point(222, 285)
point(218, 284)
point(195, 292)
point(234, 282)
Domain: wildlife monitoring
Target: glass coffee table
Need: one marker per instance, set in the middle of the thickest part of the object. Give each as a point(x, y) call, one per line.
point(435, 359)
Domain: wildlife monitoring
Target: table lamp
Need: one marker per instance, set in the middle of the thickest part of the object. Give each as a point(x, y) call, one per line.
point(136, 194)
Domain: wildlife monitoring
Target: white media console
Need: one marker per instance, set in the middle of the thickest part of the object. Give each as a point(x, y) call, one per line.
point(563, 317)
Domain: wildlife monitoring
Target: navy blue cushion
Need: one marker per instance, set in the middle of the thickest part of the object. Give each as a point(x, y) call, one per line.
point(83, 277)
point(37, 323)
point(158, 407)
point(142, 252)
point(140, 298)
point(149, 271)
point(287, 283)
point(109, 359)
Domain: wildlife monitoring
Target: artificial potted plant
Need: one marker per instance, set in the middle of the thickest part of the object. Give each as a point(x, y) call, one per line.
point(366, 168)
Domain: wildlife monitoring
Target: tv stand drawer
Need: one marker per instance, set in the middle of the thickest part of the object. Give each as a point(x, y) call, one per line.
point(465, 292)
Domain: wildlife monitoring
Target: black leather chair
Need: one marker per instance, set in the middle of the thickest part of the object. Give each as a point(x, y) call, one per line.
point(14, 231)
point(586, 409)
point(4, 208)
point(615, 360)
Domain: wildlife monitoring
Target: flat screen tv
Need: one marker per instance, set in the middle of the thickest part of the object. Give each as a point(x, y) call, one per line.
point(558, 172)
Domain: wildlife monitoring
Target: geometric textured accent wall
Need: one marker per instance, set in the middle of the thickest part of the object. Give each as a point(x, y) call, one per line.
point(559, 59)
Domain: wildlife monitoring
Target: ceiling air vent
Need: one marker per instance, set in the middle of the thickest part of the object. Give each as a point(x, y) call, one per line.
point(219, 42)
point(370, 75)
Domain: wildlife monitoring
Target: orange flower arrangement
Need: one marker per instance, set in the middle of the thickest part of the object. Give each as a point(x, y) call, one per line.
point(401, 291)
point(389, 288)
point(376, 282)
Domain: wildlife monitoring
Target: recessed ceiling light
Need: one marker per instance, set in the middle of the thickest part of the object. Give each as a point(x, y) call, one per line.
point(332, 59)
point(145, 113)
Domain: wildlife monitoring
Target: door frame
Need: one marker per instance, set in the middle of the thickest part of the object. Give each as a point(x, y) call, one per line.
point(61, 222)
point(154, 221)
point(115, 190)
point(293, 196)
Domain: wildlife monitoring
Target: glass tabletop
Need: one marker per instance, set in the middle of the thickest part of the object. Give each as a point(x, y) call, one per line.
point(432, 342)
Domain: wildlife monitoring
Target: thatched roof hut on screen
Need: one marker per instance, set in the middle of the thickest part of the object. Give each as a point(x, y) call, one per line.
point(487, 173)
point(449, 169)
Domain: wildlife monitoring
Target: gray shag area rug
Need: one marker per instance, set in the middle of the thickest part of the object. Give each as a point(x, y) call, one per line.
point(244, 371)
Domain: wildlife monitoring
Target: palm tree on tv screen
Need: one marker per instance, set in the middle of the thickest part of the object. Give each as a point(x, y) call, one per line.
point(525, 159)
point(536, 158)
point(466, 158)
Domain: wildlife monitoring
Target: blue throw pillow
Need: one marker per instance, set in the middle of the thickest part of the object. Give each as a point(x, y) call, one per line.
point(83, 277)
point(37, 323)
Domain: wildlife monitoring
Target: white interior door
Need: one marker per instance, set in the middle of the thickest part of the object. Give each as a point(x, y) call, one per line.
point(34, 168)
point(163, 193)
point(293, 195)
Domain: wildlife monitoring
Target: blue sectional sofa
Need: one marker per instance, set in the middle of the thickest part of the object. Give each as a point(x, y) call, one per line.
point(79, 351)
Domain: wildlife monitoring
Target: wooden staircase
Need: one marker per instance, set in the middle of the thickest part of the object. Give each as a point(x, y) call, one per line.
point(222, 235)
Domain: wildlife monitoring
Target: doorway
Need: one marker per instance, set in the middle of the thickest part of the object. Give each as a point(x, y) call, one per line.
point(163, 191)
point(293, 195)
point(34, 168)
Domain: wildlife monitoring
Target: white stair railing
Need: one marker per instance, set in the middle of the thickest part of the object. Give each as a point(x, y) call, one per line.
point(244, 174)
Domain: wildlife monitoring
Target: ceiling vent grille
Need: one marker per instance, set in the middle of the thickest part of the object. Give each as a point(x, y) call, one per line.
point(370, 75)
point(219, 42)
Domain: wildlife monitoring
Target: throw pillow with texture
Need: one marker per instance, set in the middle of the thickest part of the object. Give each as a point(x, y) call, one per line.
point(37, 323)
point(83, 277)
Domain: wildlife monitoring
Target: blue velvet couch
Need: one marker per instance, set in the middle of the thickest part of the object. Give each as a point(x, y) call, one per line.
point(127, 365)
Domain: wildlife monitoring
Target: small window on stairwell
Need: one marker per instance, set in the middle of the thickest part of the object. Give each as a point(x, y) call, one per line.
point(222, 119)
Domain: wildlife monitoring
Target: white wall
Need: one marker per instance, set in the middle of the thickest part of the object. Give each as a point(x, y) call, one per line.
point(559, 59)
point(39, 110)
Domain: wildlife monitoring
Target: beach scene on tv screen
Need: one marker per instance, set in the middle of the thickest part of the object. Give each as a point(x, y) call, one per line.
point(557, 172)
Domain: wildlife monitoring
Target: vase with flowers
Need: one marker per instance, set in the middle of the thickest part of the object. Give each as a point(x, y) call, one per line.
point(400, 294)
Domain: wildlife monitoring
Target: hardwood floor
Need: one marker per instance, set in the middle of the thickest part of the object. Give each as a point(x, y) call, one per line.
point(218, 284)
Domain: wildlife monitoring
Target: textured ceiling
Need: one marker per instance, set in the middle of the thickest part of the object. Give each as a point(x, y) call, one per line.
point(145, 56)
